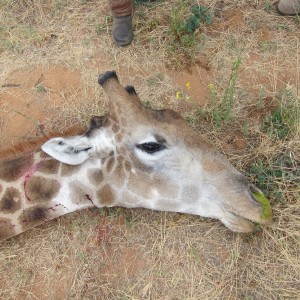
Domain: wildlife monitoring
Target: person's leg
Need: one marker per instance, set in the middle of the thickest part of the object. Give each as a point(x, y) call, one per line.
point(289, 7)
point(122, 21)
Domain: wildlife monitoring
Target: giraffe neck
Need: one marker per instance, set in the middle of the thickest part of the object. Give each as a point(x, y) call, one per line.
point(36, 188)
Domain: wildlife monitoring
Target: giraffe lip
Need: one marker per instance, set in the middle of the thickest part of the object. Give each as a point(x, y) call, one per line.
point(240, 224)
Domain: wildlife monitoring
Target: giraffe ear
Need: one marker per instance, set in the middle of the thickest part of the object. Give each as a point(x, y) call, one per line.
point(72, 151)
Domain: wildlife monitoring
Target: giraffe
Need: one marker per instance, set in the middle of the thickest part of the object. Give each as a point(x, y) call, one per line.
point(133, 156)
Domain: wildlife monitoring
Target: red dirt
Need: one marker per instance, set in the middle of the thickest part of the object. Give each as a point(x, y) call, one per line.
point(28, 105)
point(194, 84)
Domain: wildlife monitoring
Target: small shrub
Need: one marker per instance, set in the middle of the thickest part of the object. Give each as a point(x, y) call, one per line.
point(183, 22)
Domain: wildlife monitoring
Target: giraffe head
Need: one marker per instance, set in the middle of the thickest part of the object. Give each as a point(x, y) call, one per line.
point(153, 159)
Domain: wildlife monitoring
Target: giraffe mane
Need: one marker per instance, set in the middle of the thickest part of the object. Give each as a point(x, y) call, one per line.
point(27, 147)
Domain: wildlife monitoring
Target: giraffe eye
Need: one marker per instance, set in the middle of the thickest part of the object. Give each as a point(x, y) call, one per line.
point(151, 147)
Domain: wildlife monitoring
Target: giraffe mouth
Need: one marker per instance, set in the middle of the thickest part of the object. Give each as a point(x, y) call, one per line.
point(250, 218)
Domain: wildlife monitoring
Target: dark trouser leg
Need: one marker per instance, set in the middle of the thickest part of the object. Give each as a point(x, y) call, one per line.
point(121, 8)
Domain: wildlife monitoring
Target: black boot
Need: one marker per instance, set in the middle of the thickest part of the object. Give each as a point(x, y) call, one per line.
point(122, 31)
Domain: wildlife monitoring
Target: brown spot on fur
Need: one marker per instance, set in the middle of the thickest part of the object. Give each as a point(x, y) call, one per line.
point(67, 170)
point(7, 229)
point(1, 188)
point(110, 164)
point(40, 189)
point(50, 166)
point(127, 165)
point(11, 170)
point(214, 165)
point(11, 201)
point(95, 176)
point(33, 216)
point(115, 128)
point(105, 196)
point(138, 186)
point(119, 137)
point(119, 175)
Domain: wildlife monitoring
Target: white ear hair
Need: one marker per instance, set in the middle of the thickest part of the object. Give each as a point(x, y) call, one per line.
point(72, 151)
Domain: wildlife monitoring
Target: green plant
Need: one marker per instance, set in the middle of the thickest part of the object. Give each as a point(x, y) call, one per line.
point(181, 27)
point(222, 111)
point(183, 22)
point(200, 14)
point(41, 89)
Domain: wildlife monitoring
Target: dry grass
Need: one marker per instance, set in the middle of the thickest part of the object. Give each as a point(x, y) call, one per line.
point(139, 254)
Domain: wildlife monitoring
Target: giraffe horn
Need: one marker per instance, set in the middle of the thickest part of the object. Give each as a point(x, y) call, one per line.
point(103, 78)
point(117, 94)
